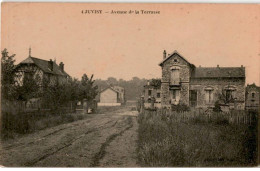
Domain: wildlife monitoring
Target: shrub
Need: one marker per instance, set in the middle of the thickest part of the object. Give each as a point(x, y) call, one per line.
point(217, 107)
point(180, 107)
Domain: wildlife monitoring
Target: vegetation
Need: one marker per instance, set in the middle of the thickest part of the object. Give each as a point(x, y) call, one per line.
point(165, 142)
point(181, 107)
point(27, 122)
point(53, 95)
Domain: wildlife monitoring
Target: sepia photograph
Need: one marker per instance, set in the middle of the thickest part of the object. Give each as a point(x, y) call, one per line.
point(129, 85)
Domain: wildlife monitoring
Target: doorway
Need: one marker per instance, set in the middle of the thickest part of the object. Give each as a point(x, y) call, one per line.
point(193, 98)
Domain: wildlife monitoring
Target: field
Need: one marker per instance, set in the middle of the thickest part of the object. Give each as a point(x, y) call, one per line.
point(164, 141)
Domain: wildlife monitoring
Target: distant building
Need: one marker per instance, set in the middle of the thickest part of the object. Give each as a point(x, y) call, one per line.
point(252, 97)
point(152, 92)
point(183, 82)
point(40, 69)
point(112, 96)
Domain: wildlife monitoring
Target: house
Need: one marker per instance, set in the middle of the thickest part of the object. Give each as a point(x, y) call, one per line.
point(41, 70)
point(152, 92)
point(252, 97)
point(112, 96)
point(183, 82)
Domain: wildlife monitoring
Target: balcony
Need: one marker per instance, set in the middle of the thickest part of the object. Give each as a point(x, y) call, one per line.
point(175, 82)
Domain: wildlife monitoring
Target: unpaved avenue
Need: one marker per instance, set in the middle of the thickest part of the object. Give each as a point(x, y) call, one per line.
point(103, 140)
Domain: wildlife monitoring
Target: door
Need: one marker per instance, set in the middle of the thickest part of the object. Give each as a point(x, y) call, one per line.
point(193, 98)
point(175, 96)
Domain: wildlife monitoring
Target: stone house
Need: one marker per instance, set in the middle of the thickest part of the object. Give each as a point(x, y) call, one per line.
point(152, 92)
point(112, 96)
point(40, 69)
point(183, 82)
point(252, 97)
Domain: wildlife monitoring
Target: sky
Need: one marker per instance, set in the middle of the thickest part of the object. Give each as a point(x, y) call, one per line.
point(129, 45)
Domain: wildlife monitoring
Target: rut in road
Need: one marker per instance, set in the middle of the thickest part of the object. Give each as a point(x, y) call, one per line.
point(45, 136)
point(98, 156)
point(33, 162)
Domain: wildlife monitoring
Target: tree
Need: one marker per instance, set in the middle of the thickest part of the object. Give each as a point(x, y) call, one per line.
point(112, 81)
point(29, 88)
point(156, 83)
point(87, 89)
point(7, 75)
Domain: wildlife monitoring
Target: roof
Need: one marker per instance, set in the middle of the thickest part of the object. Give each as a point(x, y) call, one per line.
point(43, 65)
point(219, 72)
point(252, 86)
point(172, 54)
point(109, 87)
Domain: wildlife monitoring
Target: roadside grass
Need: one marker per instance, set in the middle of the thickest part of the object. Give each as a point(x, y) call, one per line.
point(22, 123)
point(164, 142)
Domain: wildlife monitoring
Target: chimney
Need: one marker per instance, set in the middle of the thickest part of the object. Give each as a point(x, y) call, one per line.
point(242, 66)
point(148, 82)
point(218, 66)
point(61, 65)
point(164, 54)
point(50, 65)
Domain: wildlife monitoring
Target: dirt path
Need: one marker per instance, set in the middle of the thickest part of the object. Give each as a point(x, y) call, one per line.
point(104, 140)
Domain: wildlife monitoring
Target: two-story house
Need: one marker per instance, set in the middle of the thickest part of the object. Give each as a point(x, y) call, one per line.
point(183, 82)
point(40, 70)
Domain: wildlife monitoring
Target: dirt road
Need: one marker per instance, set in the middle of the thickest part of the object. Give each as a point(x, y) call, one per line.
point(101, 140)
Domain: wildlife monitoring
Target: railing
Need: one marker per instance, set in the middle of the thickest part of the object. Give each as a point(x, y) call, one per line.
point(175, 82)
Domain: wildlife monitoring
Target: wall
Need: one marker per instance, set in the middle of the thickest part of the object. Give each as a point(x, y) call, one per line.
point(108, 96)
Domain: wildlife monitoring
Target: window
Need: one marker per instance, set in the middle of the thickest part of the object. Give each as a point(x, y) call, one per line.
point(158, 95)
point(149, 92)
point(209, 96)
point(229, 95)
point(253, 95)
point(175, 76)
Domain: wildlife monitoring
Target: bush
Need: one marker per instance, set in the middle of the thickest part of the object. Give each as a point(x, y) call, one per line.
point(180, 107)
point(217, 107)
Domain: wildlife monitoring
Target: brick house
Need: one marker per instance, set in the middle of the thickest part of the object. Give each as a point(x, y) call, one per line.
point(252, 97)
point(112, 96)
point(39, 69)
point(183, 82)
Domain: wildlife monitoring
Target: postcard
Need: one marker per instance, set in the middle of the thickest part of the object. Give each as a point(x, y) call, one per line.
point(129, 85)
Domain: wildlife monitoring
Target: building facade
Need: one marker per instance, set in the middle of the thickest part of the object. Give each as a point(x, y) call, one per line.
point(252, 97)
point(183, 82)
point(112, 96)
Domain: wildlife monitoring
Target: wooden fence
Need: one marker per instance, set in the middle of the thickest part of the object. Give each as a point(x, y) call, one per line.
point(231, 117)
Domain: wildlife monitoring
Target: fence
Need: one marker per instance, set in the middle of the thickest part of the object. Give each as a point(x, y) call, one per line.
point(231, 117)
point(16, 107)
